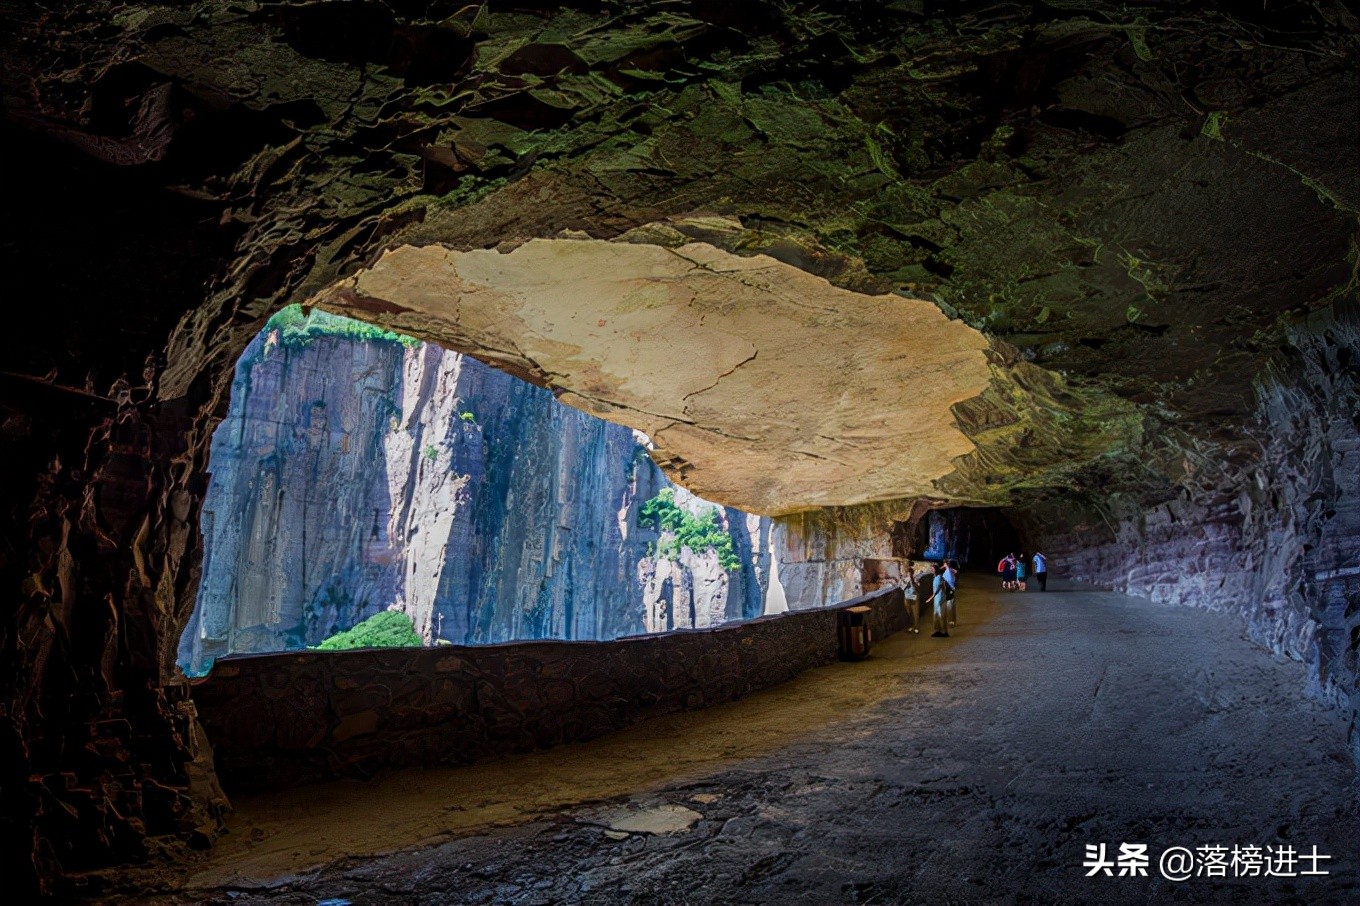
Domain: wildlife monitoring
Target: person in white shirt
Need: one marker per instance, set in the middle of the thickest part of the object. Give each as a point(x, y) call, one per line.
point(1041, 570)
point(951, 575)
point(908, 582)
point(940, 597)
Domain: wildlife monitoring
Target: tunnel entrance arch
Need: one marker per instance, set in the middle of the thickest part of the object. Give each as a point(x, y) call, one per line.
point(977, 537)
point(706, 352)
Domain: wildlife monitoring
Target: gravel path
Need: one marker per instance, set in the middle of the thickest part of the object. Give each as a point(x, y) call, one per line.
point(973, 769)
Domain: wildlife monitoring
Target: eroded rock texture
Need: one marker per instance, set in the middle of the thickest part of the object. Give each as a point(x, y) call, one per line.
point(356, 475)
point(1132, 202)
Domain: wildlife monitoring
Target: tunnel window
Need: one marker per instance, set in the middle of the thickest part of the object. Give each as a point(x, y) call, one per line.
point(370, 490)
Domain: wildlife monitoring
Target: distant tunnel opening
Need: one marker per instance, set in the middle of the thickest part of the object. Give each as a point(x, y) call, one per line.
point(977, 537)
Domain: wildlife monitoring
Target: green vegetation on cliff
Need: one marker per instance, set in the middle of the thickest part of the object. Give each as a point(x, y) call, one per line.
point(698, 533)
point(298, 330)
point(388, 629)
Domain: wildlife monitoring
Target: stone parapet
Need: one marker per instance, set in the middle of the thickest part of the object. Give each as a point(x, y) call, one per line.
point(287, 719)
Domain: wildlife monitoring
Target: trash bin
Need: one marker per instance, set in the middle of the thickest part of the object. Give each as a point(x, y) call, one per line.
point(852, 632)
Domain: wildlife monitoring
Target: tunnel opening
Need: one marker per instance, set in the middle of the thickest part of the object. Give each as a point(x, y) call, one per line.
point(361, 489)
point(976, 537)
point(371, 490)
point(516, 573)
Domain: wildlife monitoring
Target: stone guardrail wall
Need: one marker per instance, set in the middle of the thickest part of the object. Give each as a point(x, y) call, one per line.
point(291, 718)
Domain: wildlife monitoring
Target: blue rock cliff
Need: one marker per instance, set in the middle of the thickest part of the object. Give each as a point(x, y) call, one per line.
point(358, 471)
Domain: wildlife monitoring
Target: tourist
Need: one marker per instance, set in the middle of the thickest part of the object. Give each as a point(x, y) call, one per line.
point(909, 582)
point(951, 576)
point(1020, 573)
point(1041, 570)
point(1007, 570)
point(939, 598)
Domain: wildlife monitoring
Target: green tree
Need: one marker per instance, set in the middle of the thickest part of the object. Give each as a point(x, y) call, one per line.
point(297, 330)
point(388, 629)
point(698, 533)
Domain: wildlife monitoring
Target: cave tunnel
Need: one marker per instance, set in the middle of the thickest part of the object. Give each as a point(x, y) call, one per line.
point(977, 538)
point(632, 356)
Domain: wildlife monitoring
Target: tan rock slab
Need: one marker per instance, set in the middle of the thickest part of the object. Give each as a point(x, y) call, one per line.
point(662, 819)
point(763, 387)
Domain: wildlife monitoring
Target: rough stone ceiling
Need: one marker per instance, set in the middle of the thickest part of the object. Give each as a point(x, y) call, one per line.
point(1105, 192)
point(764, 387)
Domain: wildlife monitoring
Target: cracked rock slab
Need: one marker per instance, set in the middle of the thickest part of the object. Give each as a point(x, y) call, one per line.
point(661, 819)
point(762, 386)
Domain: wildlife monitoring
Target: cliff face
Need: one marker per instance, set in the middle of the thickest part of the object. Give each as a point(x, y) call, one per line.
point(298, 484)
point(354, 475)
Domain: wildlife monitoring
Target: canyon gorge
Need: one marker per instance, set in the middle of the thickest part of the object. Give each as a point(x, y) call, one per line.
point(478, 311)
point(359, 471)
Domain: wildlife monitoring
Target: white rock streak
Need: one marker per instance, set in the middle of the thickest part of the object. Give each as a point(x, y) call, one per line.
point(420, 479)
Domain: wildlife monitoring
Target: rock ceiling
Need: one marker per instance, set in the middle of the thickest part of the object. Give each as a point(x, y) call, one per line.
point(1126, 202)
point(1105, 209)
point(762, 386)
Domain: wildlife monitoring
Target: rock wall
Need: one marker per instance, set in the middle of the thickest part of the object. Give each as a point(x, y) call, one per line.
point(302, 717)
point(1276, 540)
point(692, 590)
point(353, 475)
point(841, 552)
point(822, 553)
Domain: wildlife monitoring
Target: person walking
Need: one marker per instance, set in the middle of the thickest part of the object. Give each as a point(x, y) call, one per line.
point(1020, 572)
point(908, 582)
point(951, 576)
point(1007, 569)
point(939, 597)
point(1041, 570)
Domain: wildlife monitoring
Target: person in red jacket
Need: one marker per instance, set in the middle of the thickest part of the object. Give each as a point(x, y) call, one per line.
point(1007, 570)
